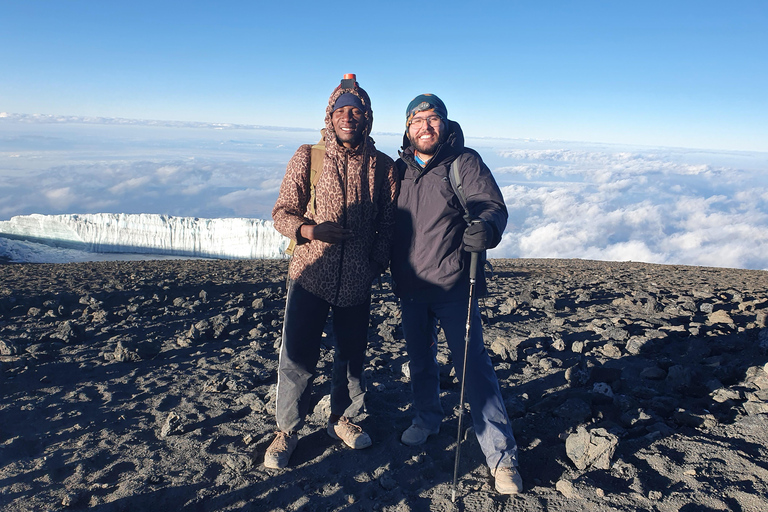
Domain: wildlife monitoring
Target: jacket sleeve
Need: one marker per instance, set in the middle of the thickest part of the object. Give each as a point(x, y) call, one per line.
point(290, 209)
point(386, 207)
point(484, 198)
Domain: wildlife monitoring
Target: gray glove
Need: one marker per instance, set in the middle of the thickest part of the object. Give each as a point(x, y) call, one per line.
point(478, 236)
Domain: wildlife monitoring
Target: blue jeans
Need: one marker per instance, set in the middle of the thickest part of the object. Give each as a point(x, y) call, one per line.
point(489, 416)
point(305, 317)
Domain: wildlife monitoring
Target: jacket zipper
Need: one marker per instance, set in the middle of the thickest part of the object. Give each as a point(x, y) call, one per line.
point(344, 225)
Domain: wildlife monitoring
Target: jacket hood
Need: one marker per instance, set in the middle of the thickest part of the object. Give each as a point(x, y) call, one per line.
point(330, 133)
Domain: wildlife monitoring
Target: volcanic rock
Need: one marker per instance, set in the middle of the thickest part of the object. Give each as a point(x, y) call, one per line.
point(150, 385)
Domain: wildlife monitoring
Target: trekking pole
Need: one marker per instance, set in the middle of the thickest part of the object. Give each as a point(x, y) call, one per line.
point(472, 279)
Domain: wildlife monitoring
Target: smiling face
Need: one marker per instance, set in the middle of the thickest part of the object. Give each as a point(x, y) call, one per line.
point(426, 131)
point(349, 124)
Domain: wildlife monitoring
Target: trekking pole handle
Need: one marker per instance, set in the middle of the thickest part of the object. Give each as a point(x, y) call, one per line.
point(473, 266)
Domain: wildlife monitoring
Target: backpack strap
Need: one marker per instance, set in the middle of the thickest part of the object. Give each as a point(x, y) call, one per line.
point(315, 170)
point(316, 157)
point(455, 178)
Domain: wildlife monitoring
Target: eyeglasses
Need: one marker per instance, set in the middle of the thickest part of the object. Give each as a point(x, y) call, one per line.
point(418, 122)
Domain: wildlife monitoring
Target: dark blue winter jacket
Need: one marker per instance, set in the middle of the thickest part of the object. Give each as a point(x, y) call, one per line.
point(428, 259)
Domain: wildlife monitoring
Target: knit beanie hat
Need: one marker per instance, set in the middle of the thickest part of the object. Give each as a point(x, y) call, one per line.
point(348, 100)
point(424, 102)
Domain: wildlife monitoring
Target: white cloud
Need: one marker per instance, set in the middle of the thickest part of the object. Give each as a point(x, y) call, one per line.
point(566, 200)
point(670, 206)
point(558, 240)
point(193, 190)
point(272, 185)
point(133, 183)
point(167, 172)
point(250, 202)
point(633, 250)
point(60, 197)
point(600, 167)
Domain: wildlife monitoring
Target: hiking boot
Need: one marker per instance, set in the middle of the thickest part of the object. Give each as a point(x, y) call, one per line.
point(416, 435)
point(352, 435)
point(280, 450)
point(508, 481)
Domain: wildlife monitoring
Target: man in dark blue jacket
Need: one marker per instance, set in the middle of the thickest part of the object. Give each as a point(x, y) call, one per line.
point(430, 266)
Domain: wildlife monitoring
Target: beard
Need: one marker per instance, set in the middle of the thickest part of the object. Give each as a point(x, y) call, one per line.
point(426, 148)
point(429, 147)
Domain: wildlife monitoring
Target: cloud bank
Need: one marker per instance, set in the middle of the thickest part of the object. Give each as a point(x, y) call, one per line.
point(628, 206)
point(566, 199)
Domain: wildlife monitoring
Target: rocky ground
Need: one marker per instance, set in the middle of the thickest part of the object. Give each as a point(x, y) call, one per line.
point(150, 386)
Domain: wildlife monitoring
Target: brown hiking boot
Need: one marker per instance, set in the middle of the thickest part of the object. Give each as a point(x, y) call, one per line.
point(352, 435)
point(508, 481)
point(280, 450)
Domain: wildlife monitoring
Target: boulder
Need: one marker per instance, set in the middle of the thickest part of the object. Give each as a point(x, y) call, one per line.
point(593, 448)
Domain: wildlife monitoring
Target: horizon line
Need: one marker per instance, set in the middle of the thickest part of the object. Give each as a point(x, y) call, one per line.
point(95, 120)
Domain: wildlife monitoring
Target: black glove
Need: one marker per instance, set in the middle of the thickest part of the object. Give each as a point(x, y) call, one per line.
point(478, 236)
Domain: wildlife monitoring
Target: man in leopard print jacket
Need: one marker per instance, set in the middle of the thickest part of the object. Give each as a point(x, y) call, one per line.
point(342, 245)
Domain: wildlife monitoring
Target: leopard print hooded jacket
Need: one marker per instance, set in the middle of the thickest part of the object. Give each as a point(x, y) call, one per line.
point(358, 189)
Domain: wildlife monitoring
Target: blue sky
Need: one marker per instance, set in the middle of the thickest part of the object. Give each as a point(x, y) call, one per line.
point(672, 73)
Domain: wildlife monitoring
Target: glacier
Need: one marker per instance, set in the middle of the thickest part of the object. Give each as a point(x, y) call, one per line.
point(57, 238)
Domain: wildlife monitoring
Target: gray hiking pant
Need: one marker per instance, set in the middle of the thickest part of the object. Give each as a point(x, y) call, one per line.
point(305, 317)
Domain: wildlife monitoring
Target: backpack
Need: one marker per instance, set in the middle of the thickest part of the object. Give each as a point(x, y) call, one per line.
point(315, 170)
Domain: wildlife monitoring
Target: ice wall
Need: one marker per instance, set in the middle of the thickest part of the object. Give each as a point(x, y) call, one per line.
point(230, 238)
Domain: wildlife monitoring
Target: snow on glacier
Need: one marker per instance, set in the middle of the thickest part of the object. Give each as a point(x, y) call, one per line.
point(26, 237)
